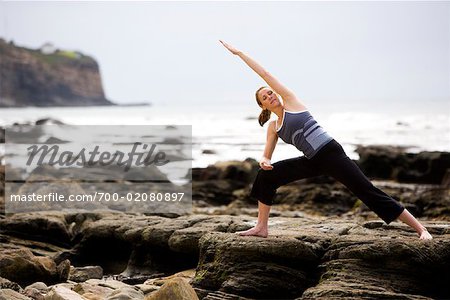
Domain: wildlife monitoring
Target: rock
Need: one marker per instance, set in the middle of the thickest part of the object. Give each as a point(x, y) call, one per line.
point(214, 192)
point(325, 199)
point(92, 291)
point(394, 269)
point(34, 293)
point(37, 248)
point(108, 283)
point(174, 289)
point(47, 227)
point(172, 141)
point(143, 245)
point(126, 293)
point(387, 162)
point(422, 200)
point(241, 171)
point(425, 167)
point(63, 269)
point(212, 295)
point(7, 284)
point(327, 262)
point(40, 286)
point(23, 267)
point(208, 151)
point(48, 121)
point(2, 134)
point(8, 294)
point(304, 256)
point(62, 293)
point(159, 281)
point(102, 243)
point(92, 296)
point(150, 173)
point(380, 161)
point(185, 240)
point(137, 279)
point(245, 266)
point(53, 140)
point(80, 274)
point(446, 180)
point(215, 184)
point(147, 288)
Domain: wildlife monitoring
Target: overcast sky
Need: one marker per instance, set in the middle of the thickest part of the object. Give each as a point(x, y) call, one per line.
point(352, 52)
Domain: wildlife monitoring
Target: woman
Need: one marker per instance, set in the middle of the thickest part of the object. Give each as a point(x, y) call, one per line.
point(323, 155)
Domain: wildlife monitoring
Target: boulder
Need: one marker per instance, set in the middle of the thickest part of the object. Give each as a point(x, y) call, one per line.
point(126, 293)
point(388, 162)
point(62, 293)
point(46, 227)
point(92, 291)
point(40, 286)
point(174, 289)
point(8, 284)
point(21, 266)
point(327, 259)
point(8, 294)
point(80, 274)
point(240, 171)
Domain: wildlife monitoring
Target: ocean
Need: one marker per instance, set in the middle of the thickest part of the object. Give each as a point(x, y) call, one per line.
point(232, 132)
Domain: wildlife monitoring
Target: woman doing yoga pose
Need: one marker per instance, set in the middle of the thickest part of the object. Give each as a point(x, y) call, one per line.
point(322, 155)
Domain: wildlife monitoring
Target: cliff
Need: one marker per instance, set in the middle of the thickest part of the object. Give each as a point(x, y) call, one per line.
point(34, 77)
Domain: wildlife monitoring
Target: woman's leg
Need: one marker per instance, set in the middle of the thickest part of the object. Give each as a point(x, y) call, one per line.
point(262, 227)
point(338, 165)
point(266, 183)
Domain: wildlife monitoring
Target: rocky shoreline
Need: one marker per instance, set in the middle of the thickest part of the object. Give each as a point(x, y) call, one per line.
point(323, 242)
point(304, 257)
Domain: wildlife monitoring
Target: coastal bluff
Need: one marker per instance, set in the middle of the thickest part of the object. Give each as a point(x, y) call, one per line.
point(48, 77)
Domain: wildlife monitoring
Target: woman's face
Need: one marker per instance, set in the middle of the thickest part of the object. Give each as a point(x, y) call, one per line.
point(268, 98)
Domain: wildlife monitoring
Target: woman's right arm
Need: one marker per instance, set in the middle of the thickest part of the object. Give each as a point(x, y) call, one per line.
point(271, 80)
point(271, 142)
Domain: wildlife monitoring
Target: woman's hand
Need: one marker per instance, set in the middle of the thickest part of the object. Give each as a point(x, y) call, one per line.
point(230, 48)
point(265, 164)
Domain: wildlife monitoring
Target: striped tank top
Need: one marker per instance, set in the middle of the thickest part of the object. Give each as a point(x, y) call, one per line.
point(302, 130)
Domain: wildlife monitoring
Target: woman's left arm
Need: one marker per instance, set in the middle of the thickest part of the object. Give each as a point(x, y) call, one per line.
point(271, 80)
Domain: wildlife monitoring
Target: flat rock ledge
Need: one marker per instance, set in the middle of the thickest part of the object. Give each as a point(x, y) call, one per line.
point(304, 257)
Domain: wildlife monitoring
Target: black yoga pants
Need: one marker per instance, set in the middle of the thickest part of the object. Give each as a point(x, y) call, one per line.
point(331, 160)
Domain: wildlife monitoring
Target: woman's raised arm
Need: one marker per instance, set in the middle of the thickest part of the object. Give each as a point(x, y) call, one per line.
point(271, 80)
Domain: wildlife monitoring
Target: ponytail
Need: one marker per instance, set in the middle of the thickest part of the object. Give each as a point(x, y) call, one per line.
point(264, 116)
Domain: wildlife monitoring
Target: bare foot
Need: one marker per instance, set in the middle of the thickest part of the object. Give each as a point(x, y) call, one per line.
point(255, 231)
point(425, 235)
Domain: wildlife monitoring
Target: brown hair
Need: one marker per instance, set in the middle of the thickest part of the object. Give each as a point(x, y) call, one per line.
point(264, 116)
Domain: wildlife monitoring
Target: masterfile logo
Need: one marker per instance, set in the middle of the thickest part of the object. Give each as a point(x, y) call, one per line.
point(127, 168)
